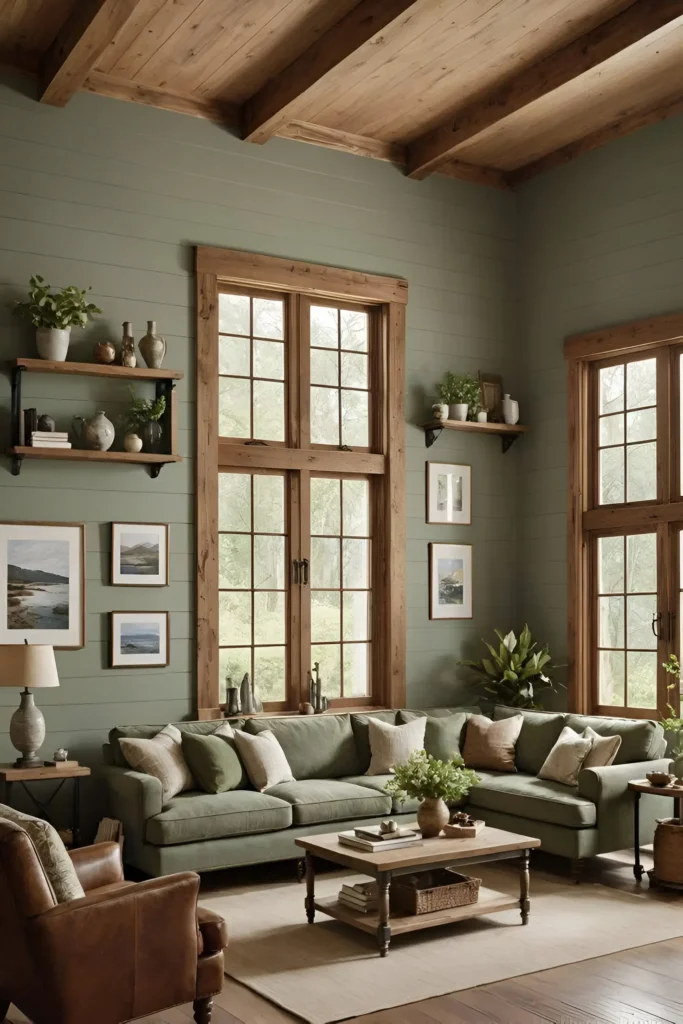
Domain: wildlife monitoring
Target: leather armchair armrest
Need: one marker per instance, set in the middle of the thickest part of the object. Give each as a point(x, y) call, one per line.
point(97, 865)
point(120, 955)
point(213, 931)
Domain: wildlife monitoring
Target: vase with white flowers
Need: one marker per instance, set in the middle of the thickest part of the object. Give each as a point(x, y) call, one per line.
point(53, 314)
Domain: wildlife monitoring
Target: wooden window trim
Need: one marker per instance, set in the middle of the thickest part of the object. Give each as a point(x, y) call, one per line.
point(583, 521)
point(215, 269)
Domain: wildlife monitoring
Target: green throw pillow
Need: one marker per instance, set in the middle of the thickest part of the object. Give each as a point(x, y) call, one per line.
point(214, 762)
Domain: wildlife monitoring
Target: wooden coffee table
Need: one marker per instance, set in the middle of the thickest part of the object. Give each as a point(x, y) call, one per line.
point(490, 845)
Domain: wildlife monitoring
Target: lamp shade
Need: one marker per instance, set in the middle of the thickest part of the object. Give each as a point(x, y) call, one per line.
point(28, 665)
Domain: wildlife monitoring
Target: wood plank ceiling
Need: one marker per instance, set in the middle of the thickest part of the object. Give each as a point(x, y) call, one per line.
point(493, 91)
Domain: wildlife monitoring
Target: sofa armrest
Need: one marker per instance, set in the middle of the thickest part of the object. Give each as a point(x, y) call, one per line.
point(120, 955)
point(611, 782)
point(132, 798)
point(97, 865)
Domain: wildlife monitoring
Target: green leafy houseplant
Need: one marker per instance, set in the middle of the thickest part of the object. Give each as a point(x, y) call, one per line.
point(61, 309)
point(142, 411)
point(460, 389)
point(672, 723)
point(514, 674)
point(423, 776)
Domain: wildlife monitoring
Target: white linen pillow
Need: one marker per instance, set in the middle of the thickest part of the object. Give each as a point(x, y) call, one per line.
point(565, 760)
point(393, 744)
point(603, 751)
point(264, 759)
point(52, 854)
point(161, 757)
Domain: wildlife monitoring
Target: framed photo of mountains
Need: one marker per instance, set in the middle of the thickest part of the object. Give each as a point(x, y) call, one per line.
point(139, 554)
point(450, 581)
point(42, 584)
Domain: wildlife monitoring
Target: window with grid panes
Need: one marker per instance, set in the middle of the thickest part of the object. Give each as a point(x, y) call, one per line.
point(301, 571)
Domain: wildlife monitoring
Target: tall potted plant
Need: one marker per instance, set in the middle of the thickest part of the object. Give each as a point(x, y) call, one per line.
point(141, 422)
point(53, 314)
point(461, 392)
point(423, 777)
point(516, 673)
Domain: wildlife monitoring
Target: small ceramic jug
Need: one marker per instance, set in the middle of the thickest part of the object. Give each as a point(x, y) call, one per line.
point(510, 410)
point(104, 352)
point(152, 346)
point(96, 434)
point(128, 346)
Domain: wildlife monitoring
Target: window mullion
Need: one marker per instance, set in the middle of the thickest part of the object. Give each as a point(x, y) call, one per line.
point(304, 633)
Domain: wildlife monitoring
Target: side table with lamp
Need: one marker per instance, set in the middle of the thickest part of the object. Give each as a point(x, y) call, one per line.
point(32, 667)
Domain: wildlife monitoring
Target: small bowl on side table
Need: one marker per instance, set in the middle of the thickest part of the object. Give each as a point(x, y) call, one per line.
point(661, 779)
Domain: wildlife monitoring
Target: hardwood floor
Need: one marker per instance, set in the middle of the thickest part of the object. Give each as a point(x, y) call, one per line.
point(643, 985)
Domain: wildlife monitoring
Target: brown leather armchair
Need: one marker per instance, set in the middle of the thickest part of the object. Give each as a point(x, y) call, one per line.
point(124, 951)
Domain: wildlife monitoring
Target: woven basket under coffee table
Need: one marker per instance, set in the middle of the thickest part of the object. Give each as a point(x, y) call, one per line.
point(492, 844)
point(433, 890)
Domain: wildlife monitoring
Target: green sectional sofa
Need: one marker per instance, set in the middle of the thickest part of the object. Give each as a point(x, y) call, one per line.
point(329, 756)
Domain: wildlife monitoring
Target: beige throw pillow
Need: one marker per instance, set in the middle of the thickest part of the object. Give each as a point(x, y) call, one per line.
point(492, 744)
point(603, 751)
point(161, 757)
point(565, 760)
point(52, 854)
point(393, 744)
point(264, 759)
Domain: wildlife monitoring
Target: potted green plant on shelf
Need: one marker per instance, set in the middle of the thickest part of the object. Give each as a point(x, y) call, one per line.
point(461, 392)
point(433, 782)
point(53, 314)
point(516, 673)
point(141, 422)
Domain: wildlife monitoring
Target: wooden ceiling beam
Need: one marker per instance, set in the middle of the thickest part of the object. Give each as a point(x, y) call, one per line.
point(627, 123)
point(637, 22)
point(278, 102)
point(88, 31)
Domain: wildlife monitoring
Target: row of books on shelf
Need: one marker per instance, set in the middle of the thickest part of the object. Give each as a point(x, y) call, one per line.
point(372, 838)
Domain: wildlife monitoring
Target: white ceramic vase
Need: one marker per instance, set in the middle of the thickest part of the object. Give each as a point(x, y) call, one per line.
point(96, 434)
point(132, 443)
point(440, 411)
point(510, 410)
point(53, 343)
point(459, 411)
point(482, 416)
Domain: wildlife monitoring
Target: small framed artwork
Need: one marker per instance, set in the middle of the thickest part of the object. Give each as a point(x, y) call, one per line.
point(492, 395)
point(450, 581)
point(139, 639)
point(42, 584)
point(449, 493)
point(139, 554)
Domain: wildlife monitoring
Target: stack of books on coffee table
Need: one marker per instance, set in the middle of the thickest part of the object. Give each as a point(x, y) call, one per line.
point(362, 896)
point(371, 838)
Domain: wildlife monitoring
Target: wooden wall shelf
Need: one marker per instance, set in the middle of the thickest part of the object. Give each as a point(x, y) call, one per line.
point(165, 381)
point(507, 433)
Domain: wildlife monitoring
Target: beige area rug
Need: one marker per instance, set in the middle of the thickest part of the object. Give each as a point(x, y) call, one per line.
point(329, 971)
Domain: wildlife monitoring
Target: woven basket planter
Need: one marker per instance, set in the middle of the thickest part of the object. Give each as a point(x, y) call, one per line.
point(441, 889)
point(668, 851)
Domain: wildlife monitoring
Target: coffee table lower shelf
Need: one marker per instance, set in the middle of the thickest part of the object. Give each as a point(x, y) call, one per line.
point(489, 902)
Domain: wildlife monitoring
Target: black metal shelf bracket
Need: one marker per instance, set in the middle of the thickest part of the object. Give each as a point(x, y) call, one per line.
point(507, 440)
point(431, 435)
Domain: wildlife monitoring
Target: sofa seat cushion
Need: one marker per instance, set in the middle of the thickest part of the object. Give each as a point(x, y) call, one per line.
point(318, 800)
point(529, 797)
point(378, 782)
point(192, 817)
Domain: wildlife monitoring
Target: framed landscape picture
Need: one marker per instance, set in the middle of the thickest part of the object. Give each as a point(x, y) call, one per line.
point(139, 639)
point(42, 584)
point(139, 554)
point(450, 581)
point(449, 493)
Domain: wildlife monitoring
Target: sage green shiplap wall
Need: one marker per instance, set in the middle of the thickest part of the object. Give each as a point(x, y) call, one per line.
point(115, 195)
point(602, 240)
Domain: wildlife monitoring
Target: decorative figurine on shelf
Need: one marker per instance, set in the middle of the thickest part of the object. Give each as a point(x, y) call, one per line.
point(388, 826)
point(152, 346)
point(104, 352)
point(246, 696)
point(232, 698)
point(46, 423)
point(306, 708)
point(316, 698)
point(61, 755)
point(128, 346)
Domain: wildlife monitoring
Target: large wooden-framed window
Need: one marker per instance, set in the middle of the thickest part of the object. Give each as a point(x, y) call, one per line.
point(625, 516)
point(300, 481)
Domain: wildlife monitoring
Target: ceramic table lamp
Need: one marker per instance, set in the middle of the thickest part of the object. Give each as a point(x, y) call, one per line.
point(31, 667)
